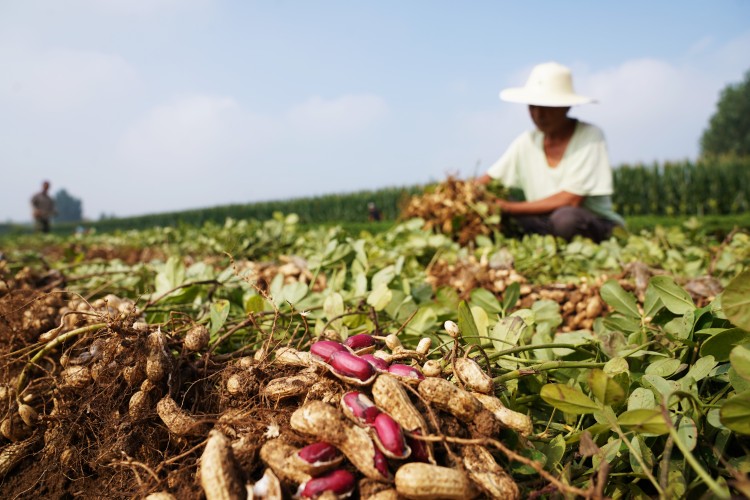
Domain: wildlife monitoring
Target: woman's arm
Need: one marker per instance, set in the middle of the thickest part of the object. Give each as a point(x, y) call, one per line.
point(543, 206)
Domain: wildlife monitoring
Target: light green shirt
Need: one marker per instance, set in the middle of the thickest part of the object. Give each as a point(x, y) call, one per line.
point(583, 170)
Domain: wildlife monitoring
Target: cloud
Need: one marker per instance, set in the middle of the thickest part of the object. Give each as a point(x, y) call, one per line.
point(319, 118)
point(60, 79)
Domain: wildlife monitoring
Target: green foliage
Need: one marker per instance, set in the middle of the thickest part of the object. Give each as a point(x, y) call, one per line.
point(728, 131)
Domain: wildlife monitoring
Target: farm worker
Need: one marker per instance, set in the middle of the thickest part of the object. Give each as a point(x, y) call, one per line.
point(562, 166)
point(43, 208)
point(373, 214)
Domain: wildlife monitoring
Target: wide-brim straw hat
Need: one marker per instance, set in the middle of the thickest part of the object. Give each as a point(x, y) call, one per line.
point(549, 84)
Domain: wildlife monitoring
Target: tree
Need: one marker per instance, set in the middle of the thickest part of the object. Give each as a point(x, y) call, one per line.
point(728, 131)
point(69, 209)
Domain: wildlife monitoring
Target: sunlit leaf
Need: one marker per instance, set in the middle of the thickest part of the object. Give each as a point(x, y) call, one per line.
point(219, 313)
point(663, 367)
point(506, 332)
point(606, 390)
point(621, 301)
point(511, 295)
point(641, 398)
point(486, 300)
point(740, 359)
point(674, 297)
point(466, 322)
point(567, 399)
point(736, 300)
point(688, 432)
point(644, 420)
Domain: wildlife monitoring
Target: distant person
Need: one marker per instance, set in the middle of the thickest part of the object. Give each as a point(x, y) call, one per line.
point(373, 214)
point(43, 208)
point(562, 166)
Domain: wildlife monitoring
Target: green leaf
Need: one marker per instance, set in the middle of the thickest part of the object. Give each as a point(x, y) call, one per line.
point(481, 321)
point(621, 301)
point(255, 304)
point(740, 359)
point(643, 420)
point(664, 367)
point(506, 332)
point(641, 398)
point(333, 307)
point(294, 292)
point(486, 300)
point(511, 295)
point(466, 322)
point(219, 313)
point(554, 451)
point(568, 399)
point(423, 321)
point(701, 368)
point(606, 390)
point(530, 453)
point(688, 432)
point(677, 300)
point(720, 345)
point(380, 297)
point(736, 300)
point(644, 452)
point(652, 304)
point(735, 413)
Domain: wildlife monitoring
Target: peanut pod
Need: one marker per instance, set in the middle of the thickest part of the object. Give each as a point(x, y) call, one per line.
point(362, 343)
point(197, 338)
point(359, 408)
point(177, 420)
point(289, 356)
point(324, 349)
point(406, 373)
point(325, 423)
point(391, 397)
point(351, 368)
point(218, 471)
point(378, 363)
point(482, 468)
point(317, 458)
point(287, 387)
point(268, 487)
point(473, 377)
point(389, 437)
point(426, 481)
point(277, 455)
point(448, 397)
point(508, 418)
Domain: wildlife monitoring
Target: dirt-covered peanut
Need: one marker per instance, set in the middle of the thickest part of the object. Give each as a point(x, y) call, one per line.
point(242, 384)
point(76, 377)
point(161, 495)
point(325, 423)
point(473, 377)
point(177, 420)
point(426, 481)
point(448, 397)
point(158, 361)
point(287, 387)
point(432, 368)
point(219, 474)
point(423, 347)
point(514, 420)
point(12, 454)
point(292, 357)
point(482, 468)
point(134, 374)
point(28, 414)
point(196, 339)
point(139, 405)
point(370, 489)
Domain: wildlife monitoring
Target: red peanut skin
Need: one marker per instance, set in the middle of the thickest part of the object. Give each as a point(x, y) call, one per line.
point(318, 452)
point(351, 365)
point(405, 371)
point(379, 364)
point(364, 410)
point(339, 482)
point(360, 341)
point(324, 349)
point(390, 434)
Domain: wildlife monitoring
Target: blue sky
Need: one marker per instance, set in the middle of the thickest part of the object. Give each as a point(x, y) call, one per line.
point(143, 106)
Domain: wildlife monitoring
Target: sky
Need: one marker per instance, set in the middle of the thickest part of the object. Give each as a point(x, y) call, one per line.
point(148, 106)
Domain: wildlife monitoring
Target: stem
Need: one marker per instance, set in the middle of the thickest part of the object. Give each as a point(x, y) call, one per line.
point(543, 367)
point(22, 378)
point(538, 346)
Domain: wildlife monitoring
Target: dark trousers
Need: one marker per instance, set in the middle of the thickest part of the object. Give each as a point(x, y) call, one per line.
point(565, 222)
point(42, 225)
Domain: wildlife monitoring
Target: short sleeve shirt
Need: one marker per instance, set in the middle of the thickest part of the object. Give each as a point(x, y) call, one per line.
point(583, 170)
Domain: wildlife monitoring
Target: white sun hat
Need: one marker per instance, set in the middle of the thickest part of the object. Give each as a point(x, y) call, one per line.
point(549, 84)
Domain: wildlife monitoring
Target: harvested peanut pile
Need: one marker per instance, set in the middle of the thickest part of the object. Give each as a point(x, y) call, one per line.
point(106, 399)
point(459, 209)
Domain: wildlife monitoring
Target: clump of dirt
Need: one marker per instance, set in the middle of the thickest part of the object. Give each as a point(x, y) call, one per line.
point(460, 209)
